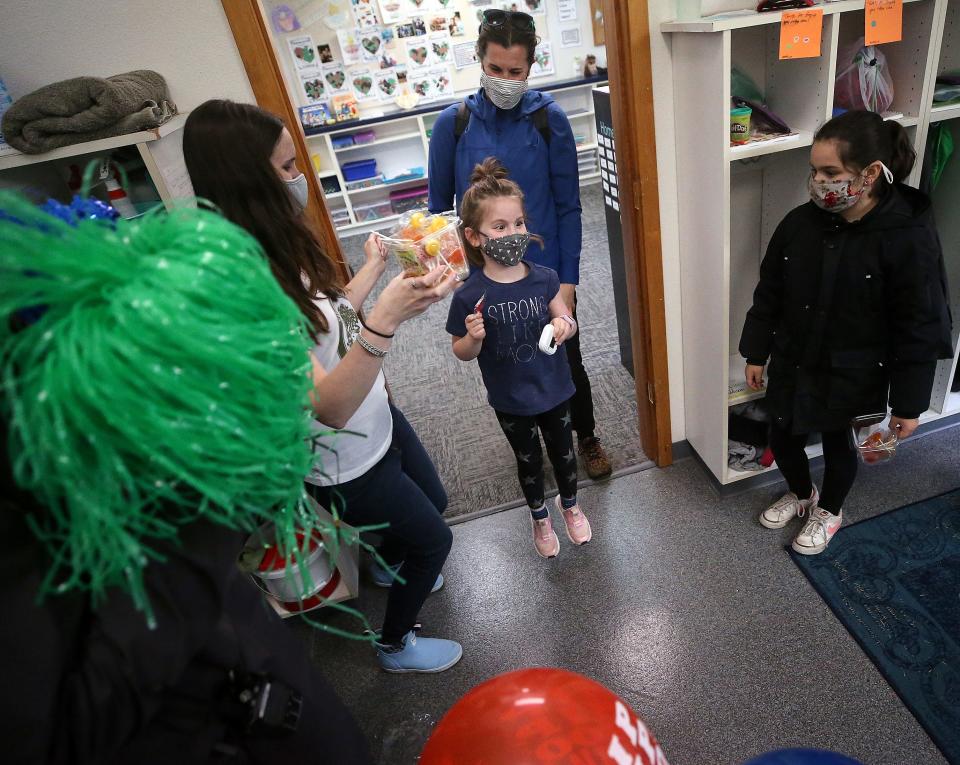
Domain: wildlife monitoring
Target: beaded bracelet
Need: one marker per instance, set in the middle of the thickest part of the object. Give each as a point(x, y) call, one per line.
point(370, 347)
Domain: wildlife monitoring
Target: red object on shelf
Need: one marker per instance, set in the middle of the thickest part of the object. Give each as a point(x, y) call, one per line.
point(767, 459)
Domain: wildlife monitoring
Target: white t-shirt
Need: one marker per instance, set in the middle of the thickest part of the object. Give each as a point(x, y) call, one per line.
point(346, 456)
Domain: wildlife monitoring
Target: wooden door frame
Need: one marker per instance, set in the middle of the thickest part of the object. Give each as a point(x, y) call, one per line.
point(627, 33)
point(266, 80)
point(631, 90)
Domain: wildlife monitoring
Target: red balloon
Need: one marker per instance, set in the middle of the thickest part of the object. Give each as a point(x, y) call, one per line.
point(538, 717)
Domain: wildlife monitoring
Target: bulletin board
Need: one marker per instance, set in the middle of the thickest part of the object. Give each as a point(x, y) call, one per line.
point(377, 50)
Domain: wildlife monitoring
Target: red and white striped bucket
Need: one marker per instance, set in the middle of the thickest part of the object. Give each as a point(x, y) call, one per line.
point(281, 577)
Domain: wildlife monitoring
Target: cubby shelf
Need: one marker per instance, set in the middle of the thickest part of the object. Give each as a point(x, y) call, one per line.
point(396, 148)
point(731, 198)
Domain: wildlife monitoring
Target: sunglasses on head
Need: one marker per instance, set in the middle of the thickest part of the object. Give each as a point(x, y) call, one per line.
point(495, 17)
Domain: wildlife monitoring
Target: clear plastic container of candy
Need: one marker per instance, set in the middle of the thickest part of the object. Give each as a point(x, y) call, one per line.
point(873, 439)
point(422, 241)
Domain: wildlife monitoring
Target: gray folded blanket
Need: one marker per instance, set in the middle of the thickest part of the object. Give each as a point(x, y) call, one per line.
point(86, 109)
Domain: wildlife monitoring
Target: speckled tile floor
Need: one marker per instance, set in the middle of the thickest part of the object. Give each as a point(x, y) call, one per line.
point(683, 605)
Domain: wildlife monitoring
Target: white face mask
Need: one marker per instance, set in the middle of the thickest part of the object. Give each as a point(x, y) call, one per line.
point(299, 191)
point(504, 94)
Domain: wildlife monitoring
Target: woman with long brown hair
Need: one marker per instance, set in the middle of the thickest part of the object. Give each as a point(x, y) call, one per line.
point(375, 469)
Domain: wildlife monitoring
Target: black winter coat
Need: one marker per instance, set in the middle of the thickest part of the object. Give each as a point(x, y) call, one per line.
point(849, 313)
point(98, 686)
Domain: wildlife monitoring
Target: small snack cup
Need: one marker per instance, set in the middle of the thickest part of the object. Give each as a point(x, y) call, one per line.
point(873, 439)
point(423, 241)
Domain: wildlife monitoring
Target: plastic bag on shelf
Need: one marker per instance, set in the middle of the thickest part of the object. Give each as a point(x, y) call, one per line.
point(863, 79)
point(741, 86)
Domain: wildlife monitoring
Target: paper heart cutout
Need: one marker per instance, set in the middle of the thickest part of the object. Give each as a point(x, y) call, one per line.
point(422, 87)
point(371, 44)
point(388, 85)
point(305, 54)
point(418, 54)
point(417, 3)
point(363, 84)
point(336, 79)
point(441, 49)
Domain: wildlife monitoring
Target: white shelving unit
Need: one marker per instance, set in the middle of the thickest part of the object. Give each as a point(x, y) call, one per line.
point(730, 199)
point(161, 151)
point(403, 141)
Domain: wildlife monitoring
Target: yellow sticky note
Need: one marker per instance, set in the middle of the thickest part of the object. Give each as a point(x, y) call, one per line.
point(883, 21)
point(800, 33)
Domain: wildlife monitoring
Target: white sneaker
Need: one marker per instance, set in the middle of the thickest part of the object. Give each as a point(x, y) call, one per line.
point(817, 532)
point(781, 512)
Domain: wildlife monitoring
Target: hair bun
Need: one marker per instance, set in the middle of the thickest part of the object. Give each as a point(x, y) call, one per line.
point(489, 169)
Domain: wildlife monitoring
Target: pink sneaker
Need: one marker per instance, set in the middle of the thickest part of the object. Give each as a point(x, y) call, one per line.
point(545, 538)
point(578, 527)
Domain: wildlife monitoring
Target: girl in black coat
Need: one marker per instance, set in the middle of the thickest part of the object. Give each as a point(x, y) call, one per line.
point(851, 311)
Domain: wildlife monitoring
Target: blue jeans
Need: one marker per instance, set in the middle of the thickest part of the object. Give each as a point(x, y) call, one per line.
point(404, 490)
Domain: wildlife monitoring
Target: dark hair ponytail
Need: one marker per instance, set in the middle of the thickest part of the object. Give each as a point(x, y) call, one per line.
point(865, 137)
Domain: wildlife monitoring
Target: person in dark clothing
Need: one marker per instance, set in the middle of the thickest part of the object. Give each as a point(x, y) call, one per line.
point(95, 684)
point(851, 311)
point(529, 133)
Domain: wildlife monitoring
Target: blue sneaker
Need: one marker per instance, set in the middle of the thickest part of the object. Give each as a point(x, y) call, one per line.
point(383, 579)
point(419, 654)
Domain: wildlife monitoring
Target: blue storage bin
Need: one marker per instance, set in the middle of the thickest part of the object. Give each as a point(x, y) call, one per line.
point(341, 141)
point(360, 169)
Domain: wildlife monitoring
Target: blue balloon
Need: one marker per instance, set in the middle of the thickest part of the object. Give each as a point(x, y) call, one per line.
point(802, 757)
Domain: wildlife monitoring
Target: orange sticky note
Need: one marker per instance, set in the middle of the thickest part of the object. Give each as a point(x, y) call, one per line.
point(882, 21)
point(800, 33)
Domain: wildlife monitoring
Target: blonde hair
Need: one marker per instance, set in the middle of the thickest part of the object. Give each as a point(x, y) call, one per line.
point(487, 181)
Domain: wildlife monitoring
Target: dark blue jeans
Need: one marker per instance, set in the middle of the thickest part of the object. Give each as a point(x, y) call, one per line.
point(404, 490)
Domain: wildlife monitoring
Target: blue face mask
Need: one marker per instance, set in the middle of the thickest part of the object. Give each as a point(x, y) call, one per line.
point(506, 250)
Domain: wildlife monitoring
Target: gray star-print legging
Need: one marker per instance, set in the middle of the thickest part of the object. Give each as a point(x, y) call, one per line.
point(523, 433)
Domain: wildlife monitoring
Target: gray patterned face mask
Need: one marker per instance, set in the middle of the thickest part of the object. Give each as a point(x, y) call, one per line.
point(504, 94)
point(506, 250)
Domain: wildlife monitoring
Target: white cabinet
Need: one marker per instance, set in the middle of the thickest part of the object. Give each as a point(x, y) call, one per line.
point(402, 142)
point(160, 150)
point(730, 199)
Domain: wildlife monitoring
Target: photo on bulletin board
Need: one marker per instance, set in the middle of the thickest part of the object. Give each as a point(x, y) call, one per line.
point(440, 51)
point(412, 27)
point(365, 14)
point(303, 53)
point(362, 83)
point(388, 85)
point(388, 36)
point(570, 38)
point(312, 86)
point(442, 82)
point(438, 22)
point(542, 61)
point(371, 44)
point(335, 76)
point(418, 54)
point(387, 61)
point(533, 7)
point(326, 54)
point(350, 49)
point(456, 28)
point(391, 11)
point(465, 54)
point(283, 19)
point(423, 86)
point(402, 73)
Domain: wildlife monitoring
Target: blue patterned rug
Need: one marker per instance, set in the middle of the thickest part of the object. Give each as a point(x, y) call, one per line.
point(894, 582)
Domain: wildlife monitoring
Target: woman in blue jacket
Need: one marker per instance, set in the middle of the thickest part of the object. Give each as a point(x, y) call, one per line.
point(531, 136)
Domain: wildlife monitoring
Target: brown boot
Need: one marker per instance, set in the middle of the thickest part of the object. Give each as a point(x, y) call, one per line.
point(598, 466)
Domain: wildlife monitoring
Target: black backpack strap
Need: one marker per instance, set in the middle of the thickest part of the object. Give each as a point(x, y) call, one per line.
point(541, 121)
point(461, 121)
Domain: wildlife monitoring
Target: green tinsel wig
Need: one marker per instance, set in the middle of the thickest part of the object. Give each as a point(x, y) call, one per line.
point(161, 376)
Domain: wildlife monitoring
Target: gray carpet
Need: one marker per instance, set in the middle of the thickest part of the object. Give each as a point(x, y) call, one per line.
point(446, 402)
point(682, 604)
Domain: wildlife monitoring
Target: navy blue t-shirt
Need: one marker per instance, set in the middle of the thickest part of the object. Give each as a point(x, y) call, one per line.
point(519, 378)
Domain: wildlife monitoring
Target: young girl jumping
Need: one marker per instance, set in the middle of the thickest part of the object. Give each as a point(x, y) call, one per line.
point(497, 317)
point(851, 311)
